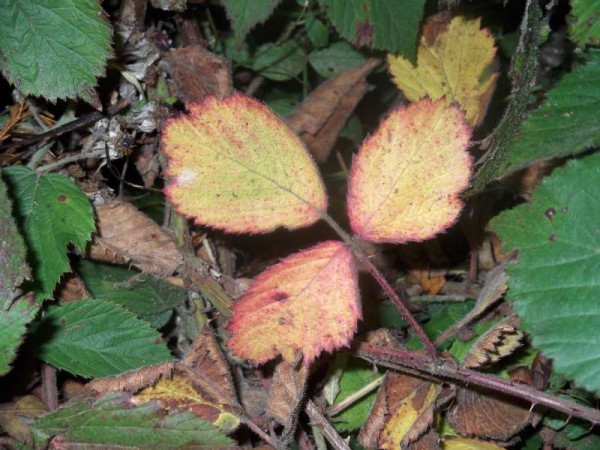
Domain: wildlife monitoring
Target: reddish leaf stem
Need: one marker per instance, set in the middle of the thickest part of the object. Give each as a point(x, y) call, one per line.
point(318, 419)
point(378, 276)
point(49, 387)
point(444, 370)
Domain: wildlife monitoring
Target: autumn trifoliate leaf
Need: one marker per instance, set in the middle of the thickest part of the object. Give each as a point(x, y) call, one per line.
point(307, 303)
point(407, 177)
point(236, 166)
point(453, 60)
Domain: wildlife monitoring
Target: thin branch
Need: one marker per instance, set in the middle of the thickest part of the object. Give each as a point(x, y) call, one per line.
point(389, 290)
point(444, 371)
point(355, 396)
point(71, 159)
point(49, 387)
point(319, 420)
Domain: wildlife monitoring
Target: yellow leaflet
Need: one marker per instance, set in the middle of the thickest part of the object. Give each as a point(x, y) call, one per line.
point(235, 165)
point(179, 392)
point(406, 179)
point(452, 61)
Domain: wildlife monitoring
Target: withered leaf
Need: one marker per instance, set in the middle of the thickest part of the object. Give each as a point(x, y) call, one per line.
point(287, 391)
point(499, 341)
point(489, 417)
point(131, 381)
point(128, 236)
point(198, 73)
point(319, 119)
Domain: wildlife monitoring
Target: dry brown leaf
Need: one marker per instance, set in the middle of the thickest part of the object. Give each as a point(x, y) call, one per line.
point(469, 444)
point(71, 288)
point(198, 73)
point(207, 361)
point(319, 119)
point(287, 391)
point(128, 236)
point(12, 417)
point(131, 381)
point(16, 113)
point(147, 163)
point(429, 441)
point(487, 416)
point(496, 343)
point(398, 396)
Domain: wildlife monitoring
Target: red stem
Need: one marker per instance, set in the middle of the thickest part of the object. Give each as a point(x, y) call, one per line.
point(378, 276)
point(444, 370)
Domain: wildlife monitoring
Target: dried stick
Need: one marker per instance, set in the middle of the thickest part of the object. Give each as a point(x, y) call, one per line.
point(318, 419)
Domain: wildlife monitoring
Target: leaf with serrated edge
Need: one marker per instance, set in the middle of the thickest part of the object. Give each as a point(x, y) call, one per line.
point(555, 286)
point(54, 48)
point(246, 14)
point(94, 338)
point(113, 421)
point(237, 166)
point(407, 177)
point(451, 63)
point(52, 212)
point(307, 303)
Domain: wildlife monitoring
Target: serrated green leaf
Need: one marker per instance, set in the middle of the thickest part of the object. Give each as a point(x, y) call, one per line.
point(567, 122)
point(584, 22)
point(279, 62)
point(54, 48)
point(12, 252)
point(95, 338)
point(150, 299)
point(246, 14)
point(381, 24)
point(316, 31)
point(52, 213)
point(114, 421)
point(335, 59)
point(12, 330)
point(357, 374)
point(555, 287)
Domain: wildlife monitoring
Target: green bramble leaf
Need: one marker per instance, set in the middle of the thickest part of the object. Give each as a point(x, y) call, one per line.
point(149, 298)
point(13, 322)
point(567, 122)
point(555, 286)
point(584, 22)
point(12, 253)
point(113, 421)
point(279, 62)
point(380, 24)
point(96, 338)
point(54, 48)
point(246, 14)
point(335, 59)
point(52, 213)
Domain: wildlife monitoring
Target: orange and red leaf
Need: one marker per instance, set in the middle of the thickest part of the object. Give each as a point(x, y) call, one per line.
point(306, 304)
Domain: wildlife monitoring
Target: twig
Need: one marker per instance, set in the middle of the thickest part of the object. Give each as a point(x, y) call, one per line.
point(319, 420)
point(355, 396)
point(71, 126)
point(444, 371)
point(49, 388)
point(374, 271)
point(70, 159)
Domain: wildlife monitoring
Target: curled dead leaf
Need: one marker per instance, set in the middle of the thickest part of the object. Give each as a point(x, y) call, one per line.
point(287, 392)
point(319, 119)
point(125, 235)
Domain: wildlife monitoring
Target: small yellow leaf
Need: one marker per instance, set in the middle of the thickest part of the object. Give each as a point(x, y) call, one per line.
point(407, 177)
point(451, 63)
point(468, 444)
point(308, 303)
point(179, 392)
point(236, 166)
point(412, 418)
